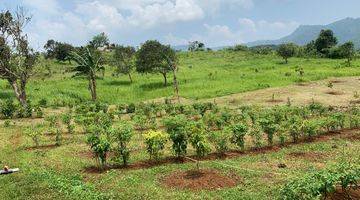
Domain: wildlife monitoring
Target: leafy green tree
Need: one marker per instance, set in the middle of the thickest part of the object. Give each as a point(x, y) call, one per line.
point(123, 134)
point(99, 40)
point(123, 59)
point(88, 64)
point(58, 50)
point(153, 57)
point(325, 41)
point(287, 51)
point(17, 58)
point(348, 51)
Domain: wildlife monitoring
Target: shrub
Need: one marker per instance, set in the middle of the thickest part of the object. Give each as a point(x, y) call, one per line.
point(58, 137)
point(42, 102)
point(100, 146)
point(52, 121)
point(310, 128)
point(34, 132)
point(7, 108)
point(220, 140)
point(130, 108)
point(122, 135)
point(7, 123)
point(38, 112)
point(269, 127)
point(256, 135)
point(176, 128)
point(155, 142)
point(67, 120)
point(295, 123)
point(239, 132)
point(198, 139)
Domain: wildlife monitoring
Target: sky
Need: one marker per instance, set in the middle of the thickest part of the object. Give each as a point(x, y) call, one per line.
point(175, 22)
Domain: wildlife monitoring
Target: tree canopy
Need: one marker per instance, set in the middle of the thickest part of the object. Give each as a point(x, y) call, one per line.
point(287, 51)
point(153, 57)
point(325, 41)
point(99, 40)
point(123, 59)
point(58, 50)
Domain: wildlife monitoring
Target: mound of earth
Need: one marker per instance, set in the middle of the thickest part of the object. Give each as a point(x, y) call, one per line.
point(339, 194)
point(206, 179)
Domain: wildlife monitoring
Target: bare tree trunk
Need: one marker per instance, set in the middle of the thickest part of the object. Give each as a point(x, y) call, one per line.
point(92, 87)
point(20, 92)
point(165, 79)
point(130, 78)
point(176, 85)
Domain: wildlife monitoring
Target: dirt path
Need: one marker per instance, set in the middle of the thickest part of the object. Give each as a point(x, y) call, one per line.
point(342, 93)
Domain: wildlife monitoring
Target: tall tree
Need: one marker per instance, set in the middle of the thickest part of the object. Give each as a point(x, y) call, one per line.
point(58, 50)
point(325, 41)
point(17, 59)
point(88, 64)
point(348, 51)
point(150, 59)
point(123, 59)
point(171, 59)
point(99, 40)
point(286, 51)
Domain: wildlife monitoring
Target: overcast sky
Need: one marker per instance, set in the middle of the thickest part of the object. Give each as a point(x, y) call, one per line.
point(215, 22)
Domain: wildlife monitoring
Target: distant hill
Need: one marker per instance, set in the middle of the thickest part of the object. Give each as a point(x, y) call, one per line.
point(345, 30)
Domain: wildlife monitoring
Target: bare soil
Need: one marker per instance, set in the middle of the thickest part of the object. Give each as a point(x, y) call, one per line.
point(311, 156)
point(205, 179)
point(339, 194)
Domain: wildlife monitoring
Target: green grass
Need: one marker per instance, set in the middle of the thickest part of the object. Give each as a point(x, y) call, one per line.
point(201, 75)
point(59, 173)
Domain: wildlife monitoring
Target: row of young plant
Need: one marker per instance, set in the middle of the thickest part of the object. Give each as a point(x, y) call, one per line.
point(320, 184)
point(205, 126)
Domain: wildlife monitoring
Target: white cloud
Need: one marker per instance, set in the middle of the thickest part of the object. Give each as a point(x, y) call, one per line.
point(262, 29)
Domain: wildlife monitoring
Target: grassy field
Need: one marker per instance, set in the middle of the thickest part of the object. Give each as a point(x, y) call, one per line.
point(202, 75)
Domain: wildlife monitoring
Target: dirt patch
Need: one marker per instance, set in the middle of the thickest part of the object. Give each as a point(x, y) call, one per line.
point(274, 101)
point(206, 179)
point(312, 156)
point(303, 84)
point(355, 101)
point(337, 81)
point(334, 93)
point(42, 147)
point(339, 194)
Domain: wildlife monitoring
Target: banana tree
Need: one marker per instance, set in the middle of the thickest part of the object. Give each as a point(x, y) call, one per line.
point(88, 64)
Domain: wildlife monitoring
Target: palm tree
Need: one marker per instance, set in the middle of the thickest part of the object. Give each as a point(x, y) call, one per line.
point(88, 64)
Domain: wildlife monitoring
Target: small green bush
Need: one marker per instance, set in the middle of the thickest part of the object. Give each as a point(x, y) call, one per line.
point(122, 134)
point(239, 132)
point(221, 140)
point(198, 140)
point(176, 128)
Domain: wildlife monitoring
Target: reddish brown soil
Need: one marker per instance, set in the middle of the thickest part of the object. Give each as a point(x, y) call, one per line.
point(42, 147)
point(347, 134)
point(337, 81)
point(274, 101)
point(335, 93)
point(339, 194)
point(206, 179)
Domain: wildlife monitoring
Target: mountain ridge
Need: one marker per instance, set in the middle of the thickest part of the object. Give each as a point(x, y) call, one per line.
point(347, 29)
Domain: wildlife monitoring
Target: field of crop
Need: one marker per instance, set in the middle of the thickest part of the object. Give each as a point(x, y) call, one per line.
point(74, 149)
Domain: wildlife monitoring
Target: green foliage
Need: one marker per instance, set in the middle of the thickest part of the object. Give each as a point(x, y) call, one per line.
point(67, 120)
point(198, 138)
point(176, 128)
point(239, 132)
point(310, 128)
point(123, 60)
point(325, 41)
point(318, 184)
point(221, 140)
point(99, 40)
point(155, 142)
point(256, 135)
point(152, 58)
point(58, 50)
point(269, 127)
point(7, 108)
point(34, 132)
point(287, 51)
point(100, 146)
point(123, 134)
